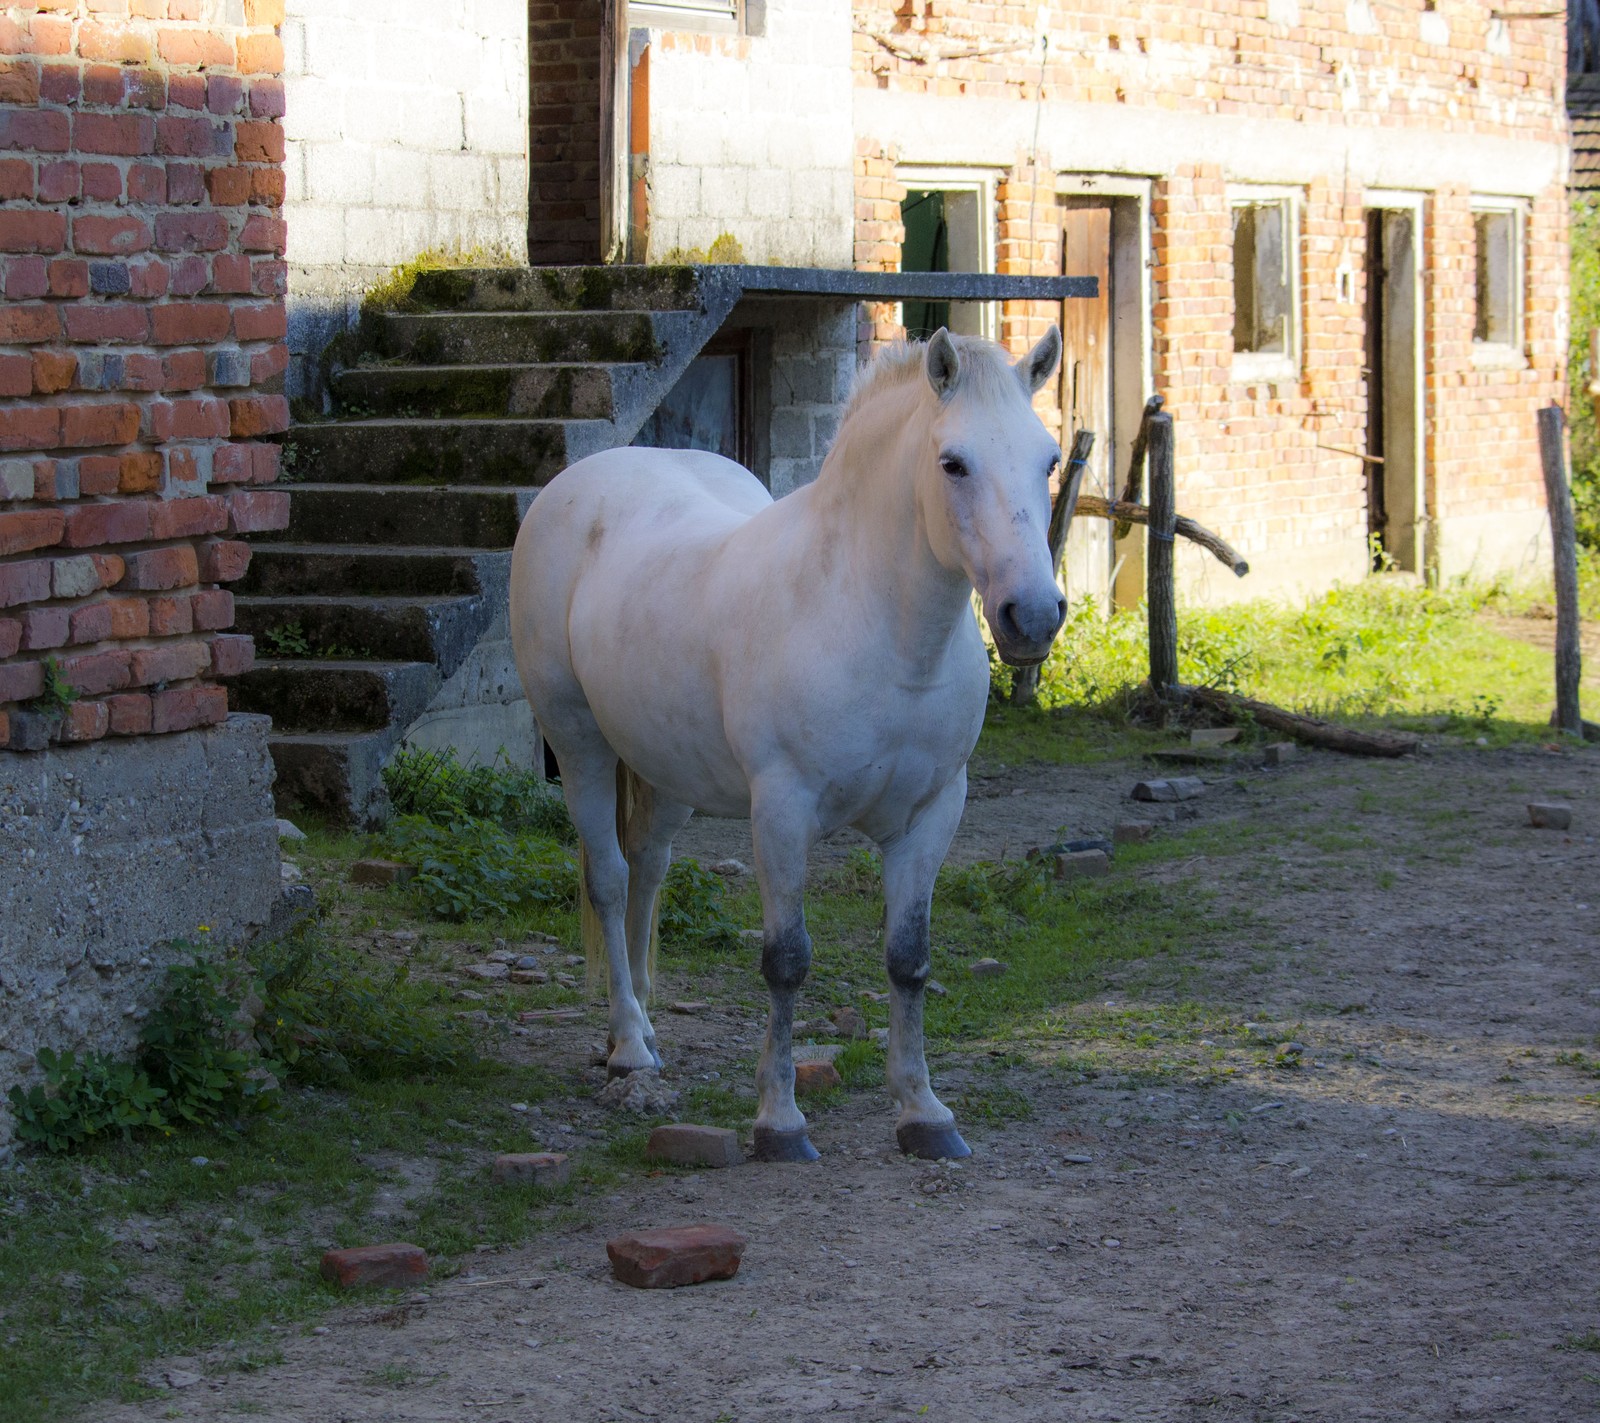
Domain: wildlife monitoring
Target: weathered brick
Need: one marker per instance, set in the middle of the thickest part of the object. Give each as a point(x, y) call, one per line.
point(10, 636)
point(156, 569)
point(98, 424)
point(182, 323)
point(260, 323)
point(170, 617)
point(181, 708)
point(60, 182)
point(27, 582)
point(22, 230)
point(684, 1144)
point(221, 561)
point(232, 654)
point(224, 92)
point(534, 1168)
point(69, 277)
point(16, 378)
point(92, 525)
point(53, 371)
point(19, 81)
point(212, 609)
point(257, 511)
point(810, 1077)
point(16, 180)
point(21, 681)
point(129, 713)
point(84, 721)
point(92, 673)
point(228, 187)
point(92, 623)
point(204, 417)
point(28, 731)
point(125, 135)
point(139, 472)
point(184, 518)
point(28, 529)
point(17, 480)
point(191, 231)
point(97, 475)
point(677, 1255)
point(121, 234)
point(25, 325)
point(168, 662)
point(393, 1266)
point(45, 628)
point(258, 415)
point(112, 322)
point(258, 142)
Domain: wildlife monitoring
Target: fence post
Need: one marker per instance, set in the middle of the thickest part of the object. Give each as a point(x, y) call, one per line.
point(1564, 546)
point(1160, 601)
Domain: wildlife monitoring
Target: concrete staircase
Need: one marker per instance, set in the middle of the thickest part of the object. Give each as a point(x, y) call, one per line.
point(395, 565)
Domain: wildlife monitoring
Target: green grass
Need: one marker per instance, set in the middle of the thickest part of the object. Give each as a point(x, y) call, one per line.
point(1382, 649)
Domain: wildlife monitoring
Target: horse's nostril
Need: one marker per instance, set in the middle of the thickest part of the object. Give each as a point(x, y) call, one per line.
point(1061, 611)
point(1008, 620)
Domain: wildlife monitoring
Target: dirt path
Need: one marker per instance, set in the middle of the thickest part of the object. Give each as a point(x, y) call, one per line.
point(1400, 1228)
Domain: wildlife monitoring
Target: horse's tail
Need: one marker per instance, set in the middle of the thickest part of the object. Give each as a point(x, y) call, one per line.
point(630, 794)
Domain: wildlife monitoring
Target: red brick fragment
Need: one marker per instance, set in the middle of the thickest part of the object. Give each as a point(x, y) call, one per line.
point(538, 1168)
point(685, 1144)
point(129, 713)
point(157, 569)
point(232, 654)
point(815, 1077)
point(677, 1255)
point(84, 721)
point(393, 1266)
point(180, 708)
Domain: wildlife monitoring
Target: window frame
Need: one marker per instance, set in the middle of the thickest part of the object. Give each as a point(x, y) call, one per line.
point(1272, 365)
point(1514, 351)
point(983, 183)
point(718, 17)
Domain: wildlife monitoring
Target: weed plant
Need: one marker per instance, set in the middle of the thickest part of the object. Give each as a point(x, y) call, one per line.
point(437, 786)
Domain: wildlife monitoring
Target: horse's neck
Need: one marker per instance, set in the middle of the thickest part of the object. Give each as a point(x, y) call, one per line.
point(864, 506)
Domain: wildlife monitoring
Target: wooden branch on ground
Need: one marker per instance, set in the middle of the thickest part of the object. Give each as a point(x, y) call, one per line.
point(1091, 506)
point(1302, 728)
point(1133, 486)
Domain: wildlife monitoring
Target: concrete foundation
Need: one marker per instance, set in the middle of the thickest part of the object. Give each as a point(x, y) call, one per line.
point(110, 853)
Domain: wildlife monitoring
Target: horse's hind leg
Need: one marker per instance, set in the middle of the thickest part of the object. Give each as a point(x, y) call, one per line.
point(589, 779)
point(651, 823)
point(926, 1127)
point(782, 840)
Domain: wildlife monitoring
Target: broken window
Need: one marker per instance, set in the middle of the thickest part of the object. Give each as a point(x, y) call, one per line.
point(1498, 315)
point(1263, 278)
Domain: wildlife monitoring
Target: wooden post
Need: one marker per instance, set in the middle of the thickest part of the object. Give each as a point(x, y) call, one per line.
point(1025, 685)
point(1160, 599)
point(1564, 546)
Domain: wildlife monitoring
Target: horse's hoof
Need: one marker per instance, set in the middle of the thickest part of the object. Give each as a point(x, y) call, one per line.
point(655, 1055)
point(784, 1145)
point(615, 1070)
point(932, 1141)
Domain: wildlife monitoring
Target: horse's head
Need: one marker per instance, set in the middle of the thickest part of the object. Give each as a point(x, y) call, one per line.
point(986, 486)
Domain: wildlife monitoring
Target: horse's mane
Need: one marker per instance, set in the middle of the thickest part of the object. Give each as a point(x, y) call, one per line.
point(986, 364)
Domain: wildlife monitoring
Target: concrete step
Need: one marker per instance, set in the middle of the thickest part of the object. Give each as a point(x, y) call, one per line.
point(325, 570)
point(441, 631)
point(553, 392)
point(382, 515)
point(559, 289)
point(521, 452)
point(326, 696)
point(336, 775)
point(520, 337)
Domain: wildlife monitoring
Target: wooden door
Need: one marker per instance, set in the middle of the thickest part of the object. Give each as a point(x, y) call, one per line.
point(1086, 384)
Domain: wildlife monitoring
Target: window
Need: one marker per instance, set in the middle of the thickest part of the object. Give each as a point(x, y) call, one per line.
point(1265, 285)
point(948, 228)
point(719, 15)
point(1497, 317)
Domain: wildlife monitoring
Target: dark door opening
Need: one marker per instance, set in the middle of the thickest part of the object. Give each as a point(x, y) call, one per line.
point(942, 235)
point(1395, 487)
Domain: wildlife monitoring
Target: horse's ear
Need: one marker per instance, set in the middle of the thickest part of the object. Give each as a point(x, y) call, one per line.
point(944, 365)
point(1040, 363)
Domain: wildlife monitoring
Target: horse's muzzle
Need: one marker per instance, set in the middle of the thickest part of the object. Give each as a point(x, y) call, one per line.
point(1024, 630)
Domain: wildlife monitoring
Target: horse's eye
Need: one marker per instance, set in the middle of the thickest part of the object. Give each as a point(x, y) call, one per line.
point(952, 466)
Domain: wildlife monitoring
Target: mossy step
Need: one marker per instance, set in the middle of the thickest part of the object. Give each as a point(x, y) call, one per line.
point(440, 631)
point(556, 392)
point(434, 452)
point(663, 288)
point(335, 775)
point(387, 517)
point(301, 695)
point(523, 337)
point(290, 570)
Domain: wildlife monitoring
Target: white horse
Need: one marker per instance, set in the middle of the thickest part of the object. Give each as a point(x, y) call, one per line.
point(810, 663)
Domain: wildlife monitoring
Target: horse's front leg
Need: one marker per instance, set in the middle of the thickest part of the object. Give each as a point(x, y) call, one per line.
point(926, 1127)
point(783, 832)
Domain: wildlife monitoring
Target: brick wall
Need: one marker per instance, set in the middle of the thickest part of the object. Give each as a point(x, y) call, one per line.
point(564, 131)
point(1337, 100)
point(141, 354)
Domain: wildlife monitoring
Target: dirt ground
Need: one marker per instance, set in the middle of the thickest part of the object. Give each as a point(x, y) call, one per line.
point(1402, 1228)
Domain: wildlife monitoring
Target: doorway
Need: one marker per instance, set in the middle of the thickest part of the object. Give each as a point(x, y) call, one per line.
point(1105, 368)
point(948, 218)
point(1397, 518)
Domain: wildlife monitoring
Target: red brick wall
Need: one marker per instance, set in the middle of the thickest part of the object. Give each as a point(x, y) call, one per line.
point(564, 140)
point(141, 354)
point(1254, 456)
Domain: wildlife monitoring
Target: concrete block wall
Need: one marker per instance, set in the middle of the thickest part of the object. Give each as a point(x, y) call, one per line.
point(141, 357)
point(1340, 102)
point(407, 132)
point(752, 136)
point(813, 371)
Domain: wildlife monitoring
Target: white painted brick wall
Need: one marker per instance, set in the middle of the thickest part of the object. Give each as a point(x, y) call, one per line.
point(760, 147)
point(407, 131)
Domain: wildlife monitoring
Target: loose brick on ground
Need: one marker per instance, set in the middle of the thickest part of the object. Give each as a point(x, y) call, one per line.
point(676, 1255)
point(812, 1077)
point(685, 1144)
point(395, 1265)
point(538, 1168)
